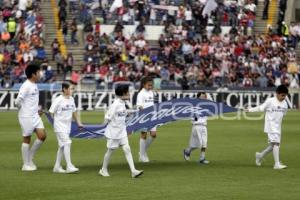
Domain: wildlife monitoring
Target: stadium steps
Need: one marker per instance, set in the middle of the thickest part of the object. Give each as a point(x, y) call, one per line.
point(260, 24)
point(77, 51)
point(298, 53)
point(51, 30)
point(51, 33)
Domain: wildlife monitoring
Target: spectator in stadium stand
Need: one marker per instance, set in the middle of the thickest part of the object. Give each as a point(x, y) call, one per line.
point(97, 29)
point(7, 82)
point(17, 73)
point(284, 29)
point(40, 53)
point(72, 6)
point(140, 29)
point(55, 47)
point(3, 26)
point(84, 15)
point(118, 28)
point(282, 6)
point(247, 81)
point(74, 32)
point(295, 33)
point(28, 56)
point(65, 29)
point(69, 62)
point(5, 37)
point(265, 14)
point(89, 67)
point(49, 76)
point(153, 16)
point(60, 63)
point(250, 7)
point(88, 29)
point(62, 3)
point(12, 27)
point(75, 77)
point(270, 30)
point(23, 7)
point(62, 16)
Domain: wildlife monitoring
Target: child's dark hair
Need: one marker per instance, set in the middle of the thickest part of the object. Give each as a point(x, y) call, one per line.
point(199, 94)
point(31, 69)
point(65, 86)
point(282, 89)
point(144, 81)
point(121, 90)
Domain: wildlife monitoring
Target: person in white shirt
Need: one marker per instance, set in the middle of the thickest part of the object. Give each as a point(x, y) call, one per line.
point(29, 116)
point(63, 110)
point(145, 99)
point(275, 108)
point(188, 16)
point(152, 16)
point(198, 139)
point(116, 133)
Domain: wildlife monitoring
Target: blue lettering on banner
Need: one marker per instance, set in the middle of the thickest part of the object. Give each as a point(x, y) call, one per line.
point(159, 114)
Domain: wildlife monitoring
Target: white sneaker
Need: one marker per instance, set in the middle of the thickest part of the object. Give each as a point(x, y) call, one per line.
point(59, 170)
point(203, 161)
point(258, 159)
point(280, 166)
point(72, 169)
point(143, 158)
point(31, 164)
point(137, 173)
point(28, 168)
point(186, 155)
point(146, 157)
point(104, 173)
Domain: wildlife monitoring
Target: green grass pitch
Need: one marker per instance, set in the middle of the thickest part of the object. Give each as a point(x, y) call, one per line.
point(232, 173)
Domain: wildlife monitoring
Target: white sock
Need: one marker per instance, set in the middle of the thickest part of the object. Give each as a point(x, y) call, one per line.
point(149, 142)
point(128, 155)
point(106, 159)
point(276, 154)
point(36, 145)
point(202, 155)
point(59, 157)
point(142, 146)
point(25, 153)
point(266, 151)
point(67, 154)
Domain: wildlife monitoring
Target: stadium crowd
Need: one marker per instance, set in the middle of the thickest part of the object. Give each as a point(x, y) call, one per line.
point(21, 32)
point(192, 52)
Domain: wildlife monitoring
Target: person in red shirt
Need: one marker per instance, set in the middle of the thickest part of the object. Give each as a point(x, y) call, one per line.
point(239, 49)
point(75, 77)
point(89, 67)
point(97, 27)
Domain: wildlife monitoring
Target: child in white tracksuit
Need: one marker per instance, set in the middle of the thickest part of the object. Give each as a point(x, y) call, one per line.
point(198, 137)
point(116, 133)
point(63, 109)
point(275, 108)
point(145, 99)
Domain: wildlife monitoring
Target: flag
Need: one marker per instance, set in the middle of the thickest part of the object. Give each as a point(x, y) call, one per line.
point(210, 6)
point(115, 5)
point(157, 115)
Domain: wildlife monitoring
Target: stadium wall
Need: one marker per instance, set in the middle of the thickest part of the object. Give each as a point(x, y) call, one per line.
point(100, 100)
point(151, 33)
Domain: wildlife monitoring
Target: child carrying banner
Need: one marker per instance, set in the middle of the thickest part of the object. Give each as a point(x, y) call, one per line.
point(198, 136)
point(116, 133)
